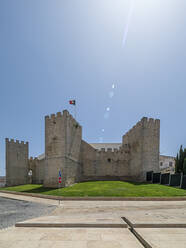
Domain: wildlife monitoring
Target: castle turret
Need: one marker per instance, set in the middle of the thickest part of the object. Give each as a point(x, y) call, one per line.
point(143, 142)
point(16, 162)
point(63, 137)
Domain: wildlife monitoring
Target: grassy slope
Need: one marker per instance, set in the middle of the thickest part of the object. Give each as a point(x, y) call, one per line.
point(104, 188)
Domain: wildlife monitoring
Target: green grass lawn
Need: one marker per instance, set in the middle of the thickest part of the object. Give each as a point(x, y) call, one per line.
point(104, 188)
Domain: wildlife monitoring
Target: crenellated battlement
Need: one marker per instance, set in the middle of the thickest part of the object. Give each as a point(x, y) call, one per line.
point(12, 141)
point(65, 113)
point(63, 136)
point(109, 151)
point(73, 120)
point(16, 162)
point(143, 123)
point(148, 122)
point(143, 146)
point(53, 116)
point(66, 151)
point(59, 115)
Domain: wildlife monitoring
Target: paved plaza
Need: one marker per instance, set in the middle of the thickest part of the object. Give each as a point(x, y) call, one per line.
point(157, 224)
point(13, 211)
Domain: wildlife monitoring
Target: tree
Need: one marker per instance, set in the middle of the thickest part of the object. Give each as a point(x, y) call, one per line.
point(184, 152)
point(184, 167)
point(177, 164)
point(181, 159)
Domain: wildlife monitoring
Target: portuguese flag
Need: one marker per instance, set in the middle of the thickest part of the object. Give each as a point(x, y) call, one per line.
point(73, 102)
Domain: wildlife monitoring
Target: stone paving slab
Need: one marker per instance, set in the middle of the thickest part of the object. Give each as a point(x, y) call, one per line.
point(159, 216)
point(137, 212)
point(164, 238)
point(62, 219)
point(68, 238)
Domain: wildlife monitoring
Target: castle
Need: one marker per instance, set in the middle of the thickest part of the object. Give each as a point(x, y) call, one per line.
point(79, 161)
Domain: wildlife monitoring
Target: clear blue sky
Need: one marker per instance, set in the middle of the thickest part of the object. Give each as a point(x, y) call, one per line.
point(55, 50)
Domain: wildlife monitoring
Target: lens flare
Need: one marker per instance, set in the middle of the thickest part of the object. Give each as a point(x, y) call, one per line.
point(111, 94)
point(131, 9)
point(106, 115)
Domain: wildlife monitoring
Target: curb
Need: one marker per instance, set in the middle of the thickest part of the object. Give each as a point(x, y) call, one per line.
point(70, 225)
point(171, 225)
point(94, 225)
point(62, 198)
point(153, 225)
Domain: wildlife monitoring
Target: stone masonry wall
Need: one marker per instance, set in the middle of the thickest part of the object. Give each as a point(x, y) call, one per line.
point(62, 149)
point(79, 161)
point(37, 166)
point(143, 142)
point(104, 164)
point(151, 145)
point(16, 162)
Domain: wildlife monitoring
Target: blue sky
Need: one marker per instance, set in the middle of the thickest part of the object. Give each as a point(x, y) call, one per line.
point(127, 56)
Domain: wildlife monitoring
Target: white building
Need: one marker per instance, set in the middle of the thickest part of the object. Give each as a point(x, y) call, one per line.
point(167, 164)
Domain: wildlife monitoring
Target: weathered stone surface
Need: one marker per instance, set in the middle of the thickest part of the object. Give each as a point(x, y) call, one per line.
point(16, 162)
point(63, 137)
point(143, 141)
point(37, 166)
point(79, 161)
point(104, 164)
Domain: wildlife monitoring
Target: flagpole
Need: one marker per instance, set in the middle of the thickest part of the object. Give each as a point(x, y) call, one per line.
point(75, 110)
point(73, 102)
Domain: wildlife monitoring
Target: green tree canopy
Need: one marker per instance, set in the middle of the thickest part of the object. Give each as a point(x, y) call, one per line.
point(180, 161)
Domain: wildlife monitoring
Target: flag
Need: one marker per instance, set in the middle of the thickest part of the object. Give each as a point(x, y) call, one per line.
point(73, 102)
point(59, 177)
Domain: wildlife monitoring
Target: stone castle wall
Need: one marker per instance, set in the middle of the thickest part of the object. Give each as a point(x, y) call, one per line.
point(151, 145)
point(16, 162)
point(37, 166)
point(79, 161)
point(143, 142)
point(62, 149)
point(104, 164)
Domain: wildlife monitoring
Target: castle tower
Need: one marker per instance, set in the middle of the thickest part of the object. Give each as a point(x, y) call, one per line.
point(151, 145)
point(63, 137)
point(143, 141)
point(16, 162)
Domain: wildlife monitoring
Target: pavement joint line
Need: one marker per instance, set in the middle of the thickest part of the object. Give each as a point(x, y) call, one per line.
point(160, 225)
point(140, 238)
point(136, 234)
point(130, 224)
point(153, 225)
point(71, 225)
